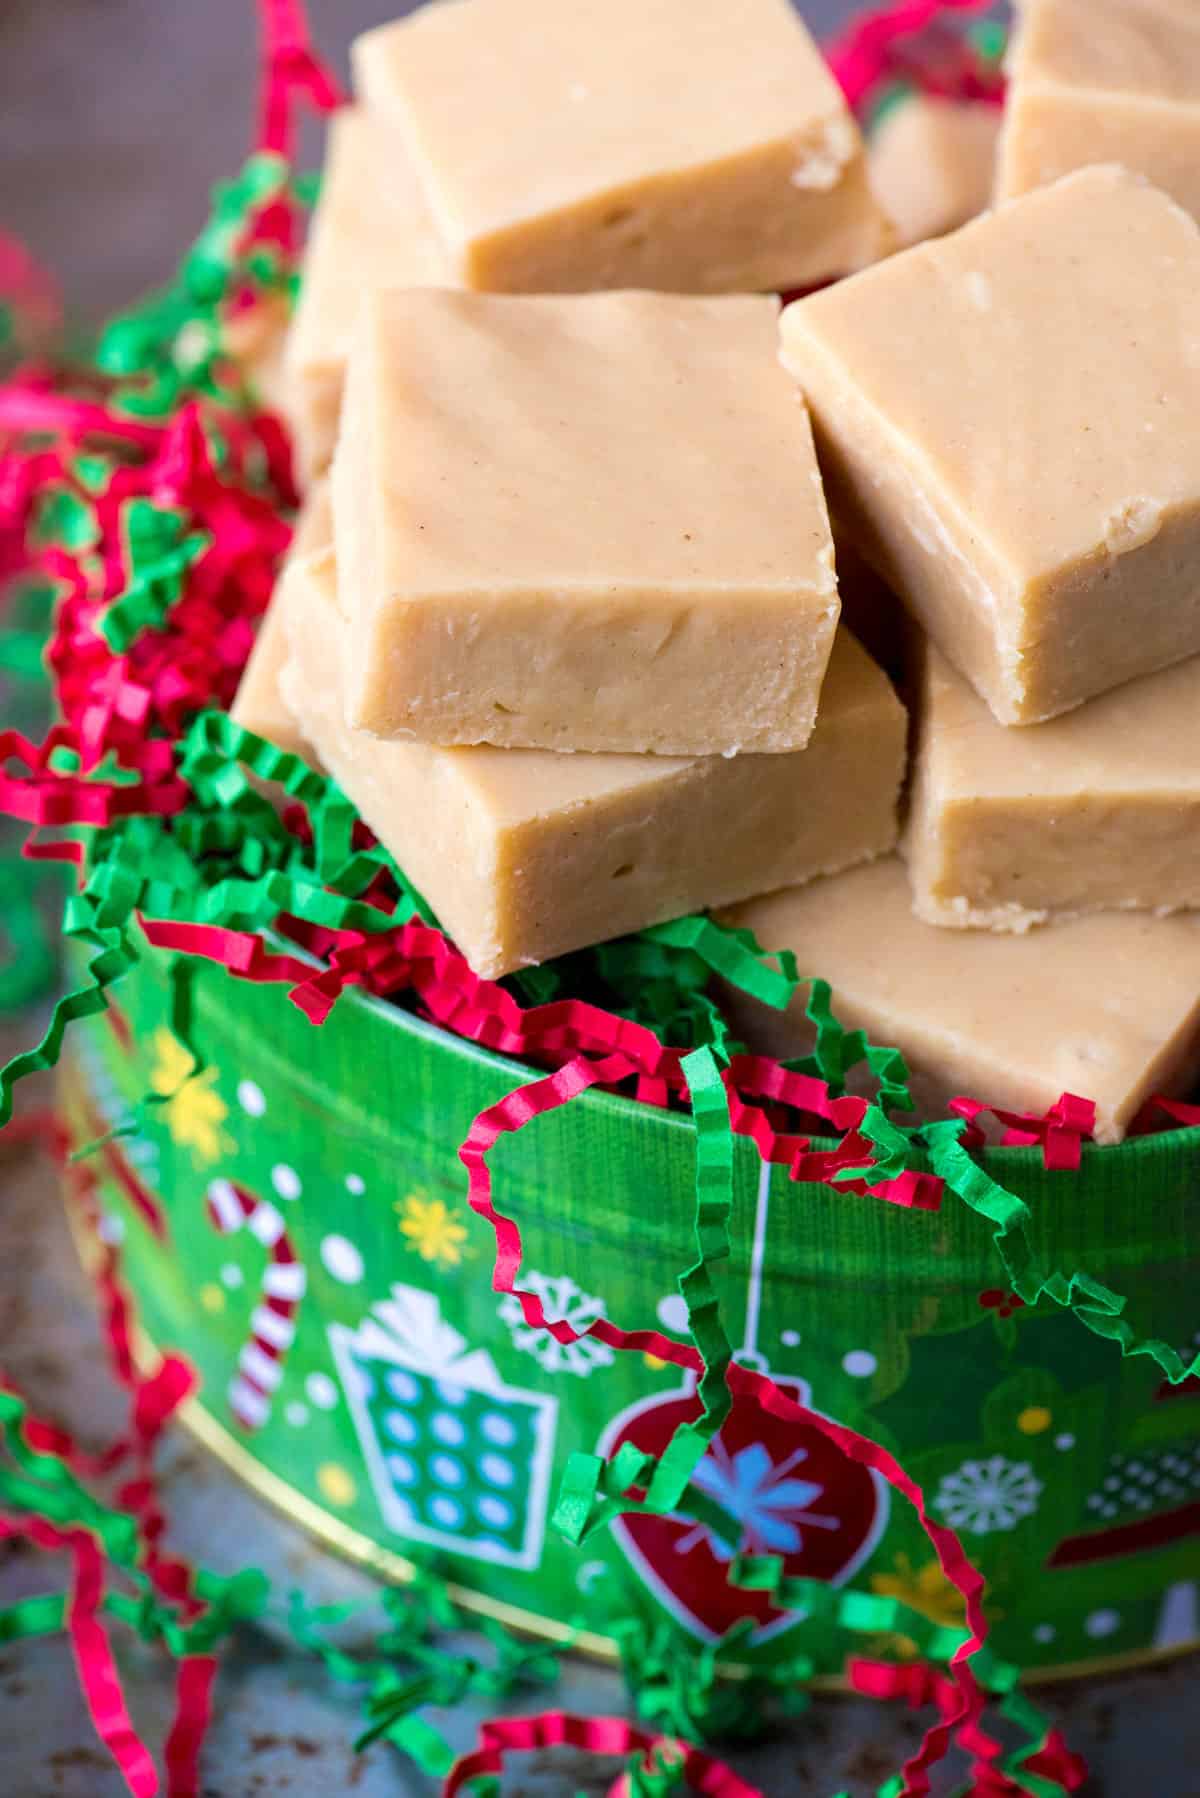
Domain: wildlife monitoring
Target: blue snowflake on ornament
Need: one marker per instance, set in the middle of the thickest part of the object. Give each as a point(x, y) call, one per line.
point(772, 1508)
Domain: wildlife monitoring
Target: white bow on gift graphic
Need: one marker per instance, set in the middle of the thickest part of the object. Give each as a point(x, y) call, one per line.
point(409, 1328)
point(509, 1427)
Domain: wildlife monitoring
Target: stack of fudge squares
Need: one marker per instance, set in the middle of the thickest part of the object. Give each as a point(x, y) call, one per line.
point(564, 614)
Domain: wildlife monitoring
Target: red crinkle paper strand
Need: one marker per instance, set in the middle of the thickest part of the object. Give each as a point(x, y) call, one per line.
point(503, 1736)
point(98, 1676)
point(867, 54)
point(1060, 1132)
point(29, 291)
point(154, 1399)
point(522, 1107)
point(292, 73)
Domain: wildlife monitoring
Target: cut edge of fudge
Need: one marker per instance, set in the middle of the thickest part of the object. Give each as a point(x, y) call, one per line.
point(258, 705)
point(1110, 829)
point(492, 907)
point(1099, 961)
point(1104, 117)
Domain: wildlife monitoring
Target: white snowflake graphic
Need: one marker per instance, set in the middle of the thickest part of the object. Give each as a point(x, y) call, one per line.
point(562, 1300)
point(772, 1507)
point(984, 1496)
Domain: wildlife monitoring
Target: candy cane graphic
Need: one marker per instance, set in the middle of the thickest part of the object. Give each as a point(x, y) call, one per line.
point(273, 1326)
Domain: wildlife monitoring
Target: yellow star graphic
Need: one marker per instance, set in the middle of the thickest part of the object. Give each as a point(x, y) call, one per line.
point(432, 1228)
point(192, 1109)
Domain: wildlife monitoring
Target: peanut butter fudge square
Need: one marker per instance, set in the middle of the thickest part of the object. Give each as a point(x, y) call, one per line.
point(932, 164)
point(1007, 420)
point(1104, 81)
point(1099, 809)
point(259, 704)
point(371, 228)
point(525, 854)
point(691, 145)
point(590, 522)
point(1107, 1007)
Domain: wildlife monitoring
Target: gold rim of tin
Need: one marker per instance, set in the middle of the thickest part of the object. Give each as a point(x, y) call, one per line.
point(351, 1545)
point(354, 1546)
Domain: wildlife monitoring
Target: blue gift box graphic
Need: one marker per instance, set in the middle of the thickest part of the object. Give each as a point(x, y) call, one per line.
point(457, 1458)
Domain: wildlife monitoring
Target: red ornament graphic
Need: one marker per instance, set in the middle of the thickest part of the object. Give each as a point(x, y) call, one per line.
point(786, 1489)
point(789, 1490)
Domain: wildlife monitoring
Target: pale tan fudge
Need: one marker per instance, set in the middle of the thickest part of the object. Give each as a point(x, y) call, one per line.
point(1106, 1007)
point(592, 522)
point(259, 705)
point(1104, 81)
point(525, 854)
point(698, 148)
point(1006, 419)
point(255, 340)
point(371, 228)
point(932, 164)
point(1094, 811)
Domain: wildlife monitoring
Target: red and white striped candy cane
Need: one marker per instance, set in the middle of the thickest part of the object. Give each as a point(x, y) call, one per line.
point(273, 1326)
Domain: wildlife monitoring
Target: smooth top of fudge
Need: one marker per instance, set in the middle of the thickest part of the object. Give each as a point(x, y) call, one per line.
point(1107, 1007)
point(1142, 738)
point(586, 445)
point(371, 228)
point(1147, 48)
point(524, 107)
point(1045, 382)
point(932, 162)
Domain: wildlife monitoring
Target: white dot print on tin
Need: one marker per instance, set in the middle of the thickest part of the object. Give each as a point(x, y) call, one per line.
point(448, 1429)
point(673, 1314)
point(400, 1426)
point(286, 1181)
point(499, 1430)
point(342, 1260)
point(496, 1470)
point(495, 1511)
point(251, 1098)
point(401, 1470)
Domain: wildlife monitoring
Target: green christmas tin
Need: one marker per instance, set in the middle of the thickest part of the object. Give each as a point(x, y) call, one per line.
point(294, 1220)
